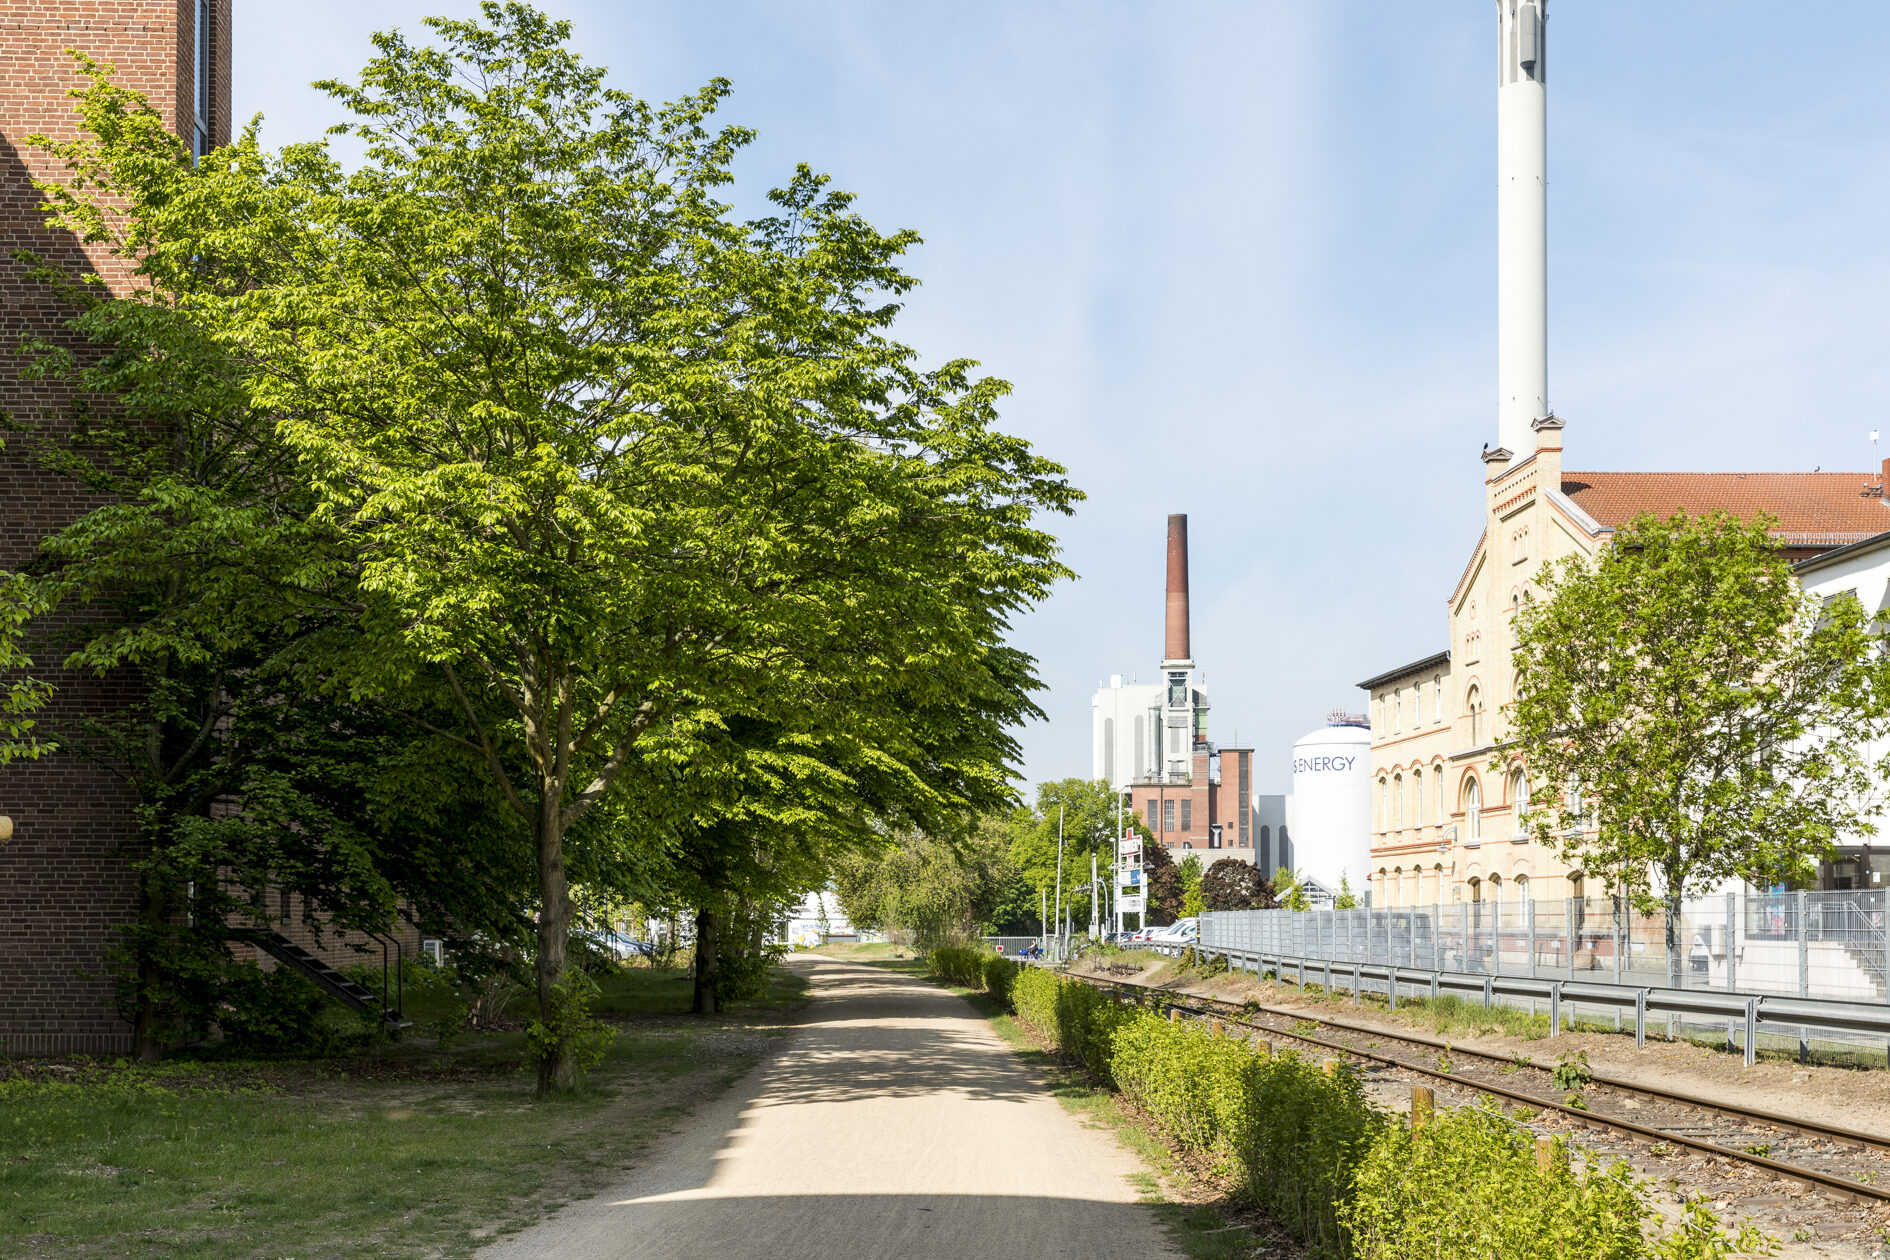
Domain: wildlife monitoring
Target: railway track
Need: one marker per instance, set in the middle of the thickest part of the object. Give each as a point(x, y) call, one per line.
point(1738, 1155)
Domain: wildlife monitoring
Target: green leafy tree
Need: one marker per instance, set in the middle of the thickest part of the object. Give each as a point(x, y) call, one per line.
point(1192, 902)
point(926, 892)
point(1714, 713)
point(1089, 811)
point(1346, 898)
point(1290, 891)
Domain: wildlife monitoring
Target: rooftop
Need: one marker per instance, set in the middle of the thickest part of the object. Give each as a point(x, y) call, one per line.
point(1814, 509)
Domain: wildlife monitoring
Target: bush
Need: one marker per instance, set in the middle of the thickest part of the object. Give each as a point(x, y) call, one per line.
point(275, 1013)
point(959, 965)
point(1349, 1181)
point(1000, 976)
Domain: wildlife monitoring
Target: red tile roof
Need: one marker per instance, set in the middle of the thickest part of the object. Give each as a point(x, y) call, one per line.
point(1819, 509)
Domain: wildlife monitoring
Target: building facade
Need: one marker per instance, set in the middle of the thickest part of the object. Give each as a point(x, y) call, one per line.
point(1150, 742)
point(64, 886)
point(1449, 806)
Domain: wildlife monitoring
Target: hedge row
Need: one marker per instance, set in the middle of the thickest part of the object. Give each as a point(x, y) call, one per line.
point(1348, 1180)
point(975, 969)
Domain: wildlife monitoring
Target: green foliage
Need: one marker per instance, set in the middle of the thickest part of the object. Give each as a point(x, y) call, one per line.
point(1346, 898)
point(1349, 1181)
point(1089, 810)
point(19, 603)
point(926, 891)
point(1571, 1071)
point(1468, 1185)
point(278, 1013)
point(1688, 714)
point(566, 1030)
point(1192, 903)
point(1162, 880)
point(1287, 888)
point(977, 969)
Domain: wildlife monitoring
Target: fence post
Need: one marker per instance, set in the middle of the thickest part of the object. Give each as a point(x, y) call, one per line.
point(1568, 934)
point(1529, 926)
point(1640, 1018)
point(1804, 950)
point(1463, 936)
point(1732, 942)
point(1437, 922)
point(1752, 1031)
point(1555, 1008)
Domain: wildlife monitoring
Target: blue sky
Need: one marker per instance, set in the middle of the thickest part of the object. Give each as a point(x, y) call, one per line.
point(1238, 260)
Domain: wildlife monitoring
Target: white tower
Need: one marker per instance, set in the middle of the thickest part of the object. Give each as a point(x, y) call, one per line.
point(1522, 270)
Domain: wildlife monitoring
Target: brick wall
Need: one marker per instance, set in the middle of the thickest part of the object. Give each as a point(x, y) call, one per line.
point(63, 880)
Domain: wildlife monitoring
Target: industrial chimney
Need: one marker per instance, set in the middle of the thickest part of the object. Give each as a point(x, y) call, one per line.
point(1176, 639)
point(1522, 285)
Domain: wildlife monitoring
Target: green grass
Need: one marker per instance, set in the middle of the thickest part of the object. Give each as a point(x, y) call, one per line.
point(405, 1153)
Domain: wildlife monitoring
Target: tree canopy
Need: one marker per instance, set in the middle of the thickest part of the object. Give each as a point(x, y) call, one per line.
point(1687, 713)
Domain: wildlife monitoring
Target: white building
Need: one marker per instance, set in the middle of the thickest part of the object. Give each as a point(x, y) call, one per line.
point(817, 917)
point(1125, 732)
point(1330, 811)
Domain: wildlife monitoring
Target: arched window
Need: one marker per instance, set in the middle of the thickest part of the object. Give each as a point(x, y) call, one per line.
point(1397, 710)
point(1519, 795)
point(1473, 809)
point(1476, 889)
point(1384, 804)
point(1417, 798)
point(1437, 697)
point(1522, 888)
point(1437, 790)
point(1397, 801)
point(1575, 885)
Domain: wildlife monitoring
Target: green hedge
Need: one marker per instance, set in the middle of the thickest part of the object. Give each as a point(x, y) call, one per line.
point(1348, 1180)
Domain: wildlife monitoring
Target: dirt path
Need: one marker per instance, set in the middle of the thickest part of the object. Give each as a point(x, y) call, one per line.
point(892, 1123)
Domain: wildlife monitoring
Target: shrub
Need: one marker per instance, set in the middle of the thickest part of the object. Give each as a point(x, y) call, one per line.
point(279, 1013)
point(1351, 1182)
point(959, 965)
point(1468, 1185)
point(1000, 975)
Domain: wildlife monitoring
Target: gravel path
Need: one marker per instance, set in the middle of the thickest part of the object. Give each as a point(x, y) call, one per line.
point(892, 1123)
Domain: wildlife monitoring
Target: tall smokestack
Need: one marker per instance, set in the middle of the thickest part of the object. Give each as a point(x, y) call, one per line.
point(1177, 622)
point(1522, 234)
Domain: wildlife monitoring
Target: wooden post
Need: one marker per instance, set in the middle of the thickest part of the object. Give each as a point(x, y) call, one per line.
point(1545, 1154)
point(1263, 1048)
point(1214, 1026)
point(1172, 1014)
point(1423, 1106)
point(1331, 1067)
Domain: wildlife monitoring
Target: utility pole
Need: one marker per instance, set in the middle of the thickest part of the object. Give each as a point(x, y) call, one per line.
point(1060, 870)
point(1095, 924)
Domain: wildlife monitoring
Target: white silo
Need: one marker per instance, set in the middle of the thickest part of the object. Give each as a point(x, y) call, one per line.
point(1332, 805)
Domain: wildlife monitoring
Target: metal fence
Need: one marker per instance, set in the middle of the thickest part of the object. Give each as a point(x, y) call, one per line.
point(1828, 946)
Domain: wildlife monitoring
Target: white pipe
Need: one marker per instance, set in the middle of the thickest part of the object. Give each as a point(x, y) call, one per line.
point(1522, 274)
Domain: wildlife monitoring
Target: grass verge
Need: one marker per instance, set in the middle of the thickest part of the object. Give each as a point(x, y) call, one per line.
point(406, 1153)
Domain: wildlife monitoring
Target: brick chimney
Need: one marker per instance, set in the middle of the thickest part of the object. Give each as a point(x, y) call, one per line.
point(1176, 639)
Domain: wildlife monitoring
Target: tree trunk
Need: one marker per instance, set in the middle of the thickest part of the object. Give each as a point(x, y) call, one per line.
point(708, 943)
point(557, 1070)
point(152, 913)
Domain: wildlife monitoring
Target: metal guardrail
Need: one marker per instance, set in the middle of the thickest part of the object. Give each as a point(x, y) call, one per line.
point(1744, 1012)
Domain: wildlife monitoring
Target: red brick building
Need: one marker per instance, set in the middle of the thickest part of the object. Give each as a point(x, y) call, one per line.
point(64, 887)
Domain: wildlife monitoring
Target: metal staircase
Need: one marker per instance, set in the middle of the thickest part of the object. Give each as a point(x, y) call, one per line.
point(355, 996)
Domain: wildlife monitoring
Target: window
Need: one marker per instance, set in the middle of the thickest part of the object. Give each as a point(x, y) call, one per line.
point(1473, 809)
point(1522, 888)
point(1417, 798)
point(1168, 815)
point(1476, 890)
point(1187, 815)
point(1397, 799)
point(1177, 691)
point(201, 70)
point(1266, 846)
point(1519, 793)
point(1384, 804)
point(1473, 704)
point(1109, 749)
point(1246, 800)
point(1382, 728)
point(1397, 710)
point(1437, 698)
point(1141, 748)
point(1151, 815)
point(1437, 789)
